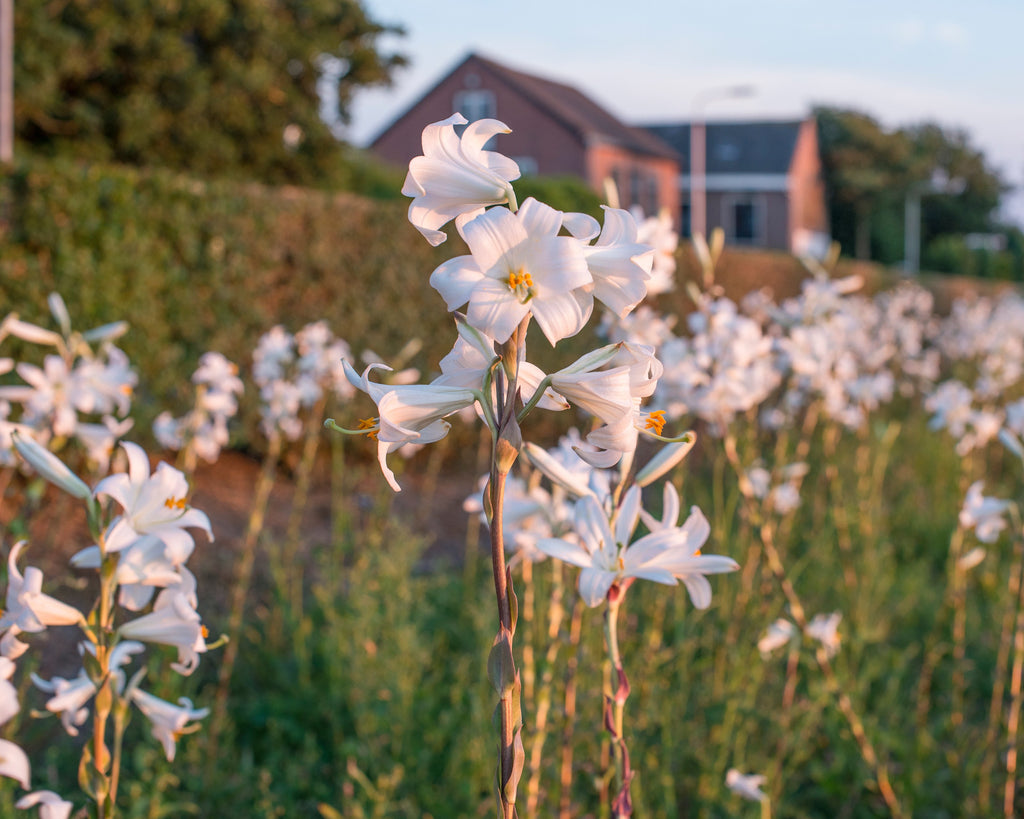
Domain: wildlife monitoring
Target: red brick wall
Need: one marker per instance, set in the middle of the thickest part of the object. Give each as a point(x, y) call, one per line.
point(657, 178)
point(807, 189)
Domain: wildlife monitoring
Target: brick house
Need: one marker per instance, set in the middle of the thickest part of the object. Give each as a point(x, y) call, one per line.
point(763, 182)
point(556, 130)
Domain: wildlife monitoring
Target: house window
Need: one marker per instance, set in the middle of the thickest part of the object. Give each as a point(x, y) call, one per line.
point(635, 187)
point(744, 219)
point(475, 104)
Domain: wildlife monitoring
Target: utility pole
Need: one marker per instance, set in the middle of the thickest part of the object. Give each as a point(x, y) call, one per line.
point(698, 152)
point(6, 80)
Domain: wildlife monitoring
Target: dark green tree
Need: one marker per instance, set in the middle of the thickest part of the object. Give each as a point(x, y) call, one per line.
point(221, 87)
point(870, 171)
point(865, 168)
point(966, 191)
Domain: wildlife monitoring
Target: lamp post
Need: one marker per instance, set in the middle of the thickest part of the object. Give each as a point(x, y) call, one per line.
point(939, 182)
point(698, 151)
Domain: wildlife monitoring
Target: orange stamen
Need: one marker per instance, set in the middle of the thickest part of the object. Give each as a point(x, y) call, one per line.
point(655, 421)
point(369, 426)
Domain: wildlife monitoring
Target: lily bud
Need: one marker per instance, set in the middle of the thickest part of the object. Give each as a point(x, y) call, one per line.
point(50, 467)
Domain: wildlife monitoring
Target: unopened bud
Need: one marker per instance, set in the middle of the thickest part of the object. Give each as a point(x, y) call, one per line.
point(508, 445)
point(50, 467)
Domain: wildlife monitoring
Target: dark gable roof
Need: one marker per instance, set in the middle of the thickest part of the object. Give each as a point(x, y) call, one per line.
point(577, 111)
point(737, 147)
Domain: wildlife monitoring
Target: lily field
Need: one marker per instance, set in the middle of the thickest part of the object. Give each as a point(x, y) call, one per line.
point(756, 554)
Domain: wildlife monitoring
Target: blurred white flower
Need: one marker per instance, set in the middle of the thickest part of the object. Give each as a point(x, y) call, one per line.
point(825, 629)
point(779, 634)
point(168, 721)
point(984, 515)
point(27, 607)
point(51, 805)
point(746, 785)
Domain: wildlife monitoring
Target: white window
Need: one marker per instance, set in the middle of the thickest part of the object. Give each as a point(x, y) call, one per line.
point(475, 104)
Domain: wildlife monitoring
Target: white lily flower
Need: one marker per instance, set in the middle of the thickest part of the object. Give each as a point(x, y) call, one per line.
point(612, 396)
point(153, 505)
point(168, 721)
point(519, 266)
point(51, 805)
point(141, 567)
point(665, 556)
point(408, 414)
point(983, 514)
point(779, 633)
point(28, 608)
point(619, 263)
point(173, 622)
point(69, 698)
point(455, 177)
point(825, 629)
point(746, 785)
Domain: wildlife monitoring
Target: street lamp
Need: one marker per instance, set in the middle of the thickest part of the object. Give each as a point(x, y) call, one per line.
point(698, 151)
point(939, 182)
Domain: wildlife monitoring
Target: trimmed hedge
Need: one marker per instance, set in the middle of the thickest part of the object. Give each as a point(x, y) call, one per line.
point(197, 266)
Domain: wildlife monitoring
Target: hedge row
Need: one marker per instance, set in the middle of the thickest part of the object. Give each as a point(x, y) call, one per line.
point(197, 266)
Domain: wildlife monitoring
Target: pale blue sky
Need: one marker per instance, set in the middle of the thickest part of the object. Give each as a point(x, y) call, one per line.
point(957, 63)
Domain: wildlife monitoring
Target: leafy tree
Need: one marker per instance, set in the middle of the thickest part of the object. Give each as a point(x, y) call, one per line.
point(863, 166)
point(870, 171)
point(973, 190)
point(213, 87)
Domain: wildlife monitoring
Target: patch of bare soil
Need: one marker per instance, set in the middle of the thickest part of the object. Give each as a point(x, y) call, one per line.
point(226, 491)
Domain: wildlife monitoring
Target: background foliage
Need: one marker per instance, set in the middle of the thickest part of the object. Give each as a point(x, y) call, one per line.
point(207, 86)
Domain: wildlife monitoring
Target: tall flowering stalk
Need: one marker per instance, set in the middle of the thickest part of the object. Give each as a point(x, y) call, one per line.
point(527, 263)
point(141, 525)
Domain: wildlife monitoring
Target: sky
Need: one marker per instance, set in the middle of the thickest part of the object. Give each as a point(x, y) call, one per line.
point(958, 64)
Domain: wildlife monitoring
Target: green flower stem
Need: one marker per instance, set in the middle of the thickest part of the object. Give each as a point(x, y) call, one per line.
point(241, 588)
point(569, 726)
point(997, 704)
point(1016, 696)
point(556, 613)
point(615, 703)
point(506, 681)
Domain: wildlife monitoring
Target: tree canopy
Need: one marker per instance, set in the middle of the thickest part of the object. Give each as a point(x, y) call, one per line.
point(869, 172)
point(213, 87)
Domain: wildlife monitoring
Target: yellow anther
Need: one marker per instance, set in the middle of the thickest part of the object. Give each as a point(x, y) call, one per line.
point(204, 631)
point(519, 278)
point(622, 564)
point(655, 421)
point(175, 503)
point(369, 426)
point(126, 389)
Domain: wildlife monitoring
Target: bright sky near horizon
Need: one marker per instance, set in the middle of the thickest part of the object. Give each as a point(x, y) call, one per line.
point(901, 61)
